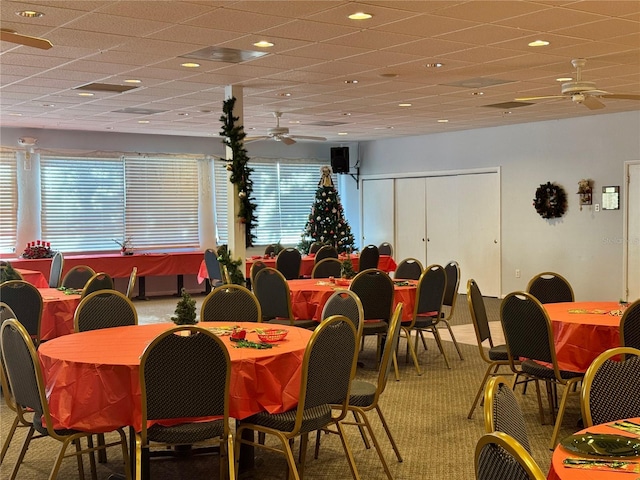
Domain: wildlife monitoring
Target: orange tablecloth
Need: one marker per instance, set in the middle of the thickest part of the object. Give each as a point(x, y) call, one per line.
point(385, 263)
point(581, 337)
point(308, 297)
point(34, 277)
point(92, 378)
point(57, 313)
point(119, 266)
point(558, 471)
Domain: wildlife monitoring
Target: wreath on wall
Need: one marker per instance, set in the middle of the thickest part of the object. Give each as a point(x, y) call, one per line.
point(240, 173)
point(550, 201)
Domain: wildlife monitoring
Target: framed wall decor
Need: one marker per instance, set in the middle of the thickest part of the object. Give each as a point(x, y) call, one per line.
point(611, 198)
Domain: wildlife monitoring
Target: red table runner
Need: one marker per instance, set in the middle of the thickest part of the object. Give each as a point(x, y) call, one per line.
point(58, 310)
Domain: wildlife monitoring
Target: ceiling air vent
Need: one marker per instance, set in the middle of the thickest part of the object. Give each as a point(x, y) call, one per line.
point(325, 123)
point(508, 105)
point(222, 54)
point(478, 82)
point(106, 87)
point(139, 111)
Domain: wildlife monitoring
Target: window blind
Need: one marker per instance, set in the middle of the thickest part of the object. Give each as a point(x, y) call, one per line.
point(8, 202)
point(161, 201)
point(82, 203)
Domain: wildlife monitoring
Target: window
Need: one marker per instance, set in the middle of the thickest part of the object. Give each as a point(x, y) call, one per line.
point(161, 202)
point(8, 202)
point(82, 203)
point(284, 191)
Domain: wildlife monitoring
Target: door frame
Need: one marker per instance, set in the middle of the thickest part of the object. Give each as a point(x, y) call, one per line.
point(625, 227)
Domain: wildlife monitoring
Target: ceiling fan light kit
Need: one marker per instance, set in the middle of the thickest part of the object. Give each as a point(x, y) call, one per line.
point(281, 134)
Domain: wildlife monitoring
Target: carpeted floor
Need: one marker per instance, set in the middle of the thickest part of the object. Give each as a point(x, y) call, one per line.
point(427, 415)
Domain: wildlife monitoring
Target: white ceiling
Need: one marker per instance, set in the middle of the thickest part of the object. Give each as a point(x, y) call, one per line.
point(317, 48)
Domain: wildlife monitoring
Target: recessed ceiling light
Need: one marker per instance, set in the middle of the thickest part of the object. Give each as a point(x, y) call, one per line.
point(351, 81)
point(263, 44)
point(342, 133)
point(477, 94)
point(538, 43)
point(204, 111)
point(507, 112)
point(294, 122)
point(108, 128)
point(564, 79)
point(183, 114)
point(284, 94)
point(190, 65)
point(48, 105)
point(434, 65)
point(404, 104)
point(15, 114)
point(133, 80)
point(85, 94)
point(143, 121)
point(360, 16)
point(443, 120)
point(30, 14)
point(389, 75)
point(346, 114)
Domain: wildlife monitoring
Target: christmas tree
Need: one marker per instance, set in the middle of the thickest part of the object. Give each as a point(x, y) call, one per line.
point(185, 310)
point(326, 222)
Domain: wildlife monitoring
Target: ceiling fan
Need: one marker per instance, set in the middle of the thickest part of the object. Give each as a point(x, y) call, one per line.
point(8, 35)
point(581, 92)
point(281, 134)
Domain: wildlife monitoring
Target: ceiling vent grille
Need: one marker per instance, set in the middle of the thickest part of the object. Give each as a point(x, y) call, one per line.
point(222, 54)
point(106, 87)
point(508, 105)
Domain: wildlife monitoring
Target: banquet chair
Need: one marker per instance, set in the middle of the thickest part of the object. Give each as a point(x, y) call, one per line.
point(5, 314)
point(100, 281)
point(270, 249)
point(78, 277)
point(452, 269)
point(329, 267)
point(214, 271)
point(502, 412)
point(528, 334)
point(630, 326)
point(27, 386)
point(369, 257)
point(288, 263)
point(365, 396)
point(185, 377)
point(610, 387)
point(25, 301)
point(385, 248)
point(314, 247)
point(328, 251)
point(132, 282)
point(375, 290)
point(272, 291)
point(255, 268)
point(55, 272)
point(346, 303)
point(426, 311)
point(230, 303)
point(499, 456)
point(104, 309)
point(497, 355)
point(408, 269)
point(328, 368)
point(550, 287)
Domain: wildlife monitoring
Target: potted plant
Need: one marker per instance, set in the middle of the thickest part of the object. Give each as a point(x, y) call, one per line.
point(185, 310)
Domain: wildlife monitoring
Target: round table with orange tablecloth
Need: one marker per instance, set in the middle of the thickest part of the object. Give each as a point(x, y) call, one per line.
point(58, 310)
point(308, 297)
point(34, 277)
point(558, 471)
point(385, 263)
point(582, 331)
point(92, 378)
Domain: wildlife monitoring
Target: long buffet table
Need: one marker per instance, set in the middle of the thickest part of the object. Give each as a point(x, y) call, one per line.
point(120, 266)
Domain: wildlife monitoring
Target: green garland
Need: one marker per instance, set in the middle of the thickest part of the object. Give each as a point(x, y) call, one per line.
point(233, 266)
point(240, 172)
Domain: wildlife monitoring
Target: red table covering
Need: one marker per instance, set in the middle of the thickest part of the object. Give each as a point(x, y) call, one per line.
point(58, 310)
point(119, 266)
point(582, 331)
point(385, 263)
point(308, 297)
point(34, 277)
point(558, 471)
point(92, 378)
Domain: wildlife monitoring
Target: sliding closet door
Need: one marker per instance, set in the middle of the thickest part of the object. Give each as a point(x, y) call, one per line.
point(411, 220)
point(443, 237)
point(377, 212)
point(632, 242)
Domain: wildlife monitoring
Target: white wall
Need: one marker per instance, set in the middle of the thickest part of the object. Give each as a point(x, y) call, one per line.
point(584, 246)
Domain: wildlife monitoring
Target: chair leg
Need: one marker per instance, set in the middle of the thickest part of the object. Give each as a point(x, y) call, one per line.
point(92, 457)
point(302, 455)
point(395, 366)
point(347, 452)
point(540, 409)
point(7, 441)
point(453, 338)
point(102, 453)
point(231, 458)
point(365, 422)
point(363, 434)
point(563, 405)
point(412, 350)
point(23, 451)
point(487, 373)
point(436, 335)
point(386, 429)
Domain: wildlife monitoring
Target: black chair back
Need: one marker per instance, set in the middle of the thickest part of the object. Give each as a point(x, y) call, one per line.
point(329, 267)
point(376, 292)
point(630, 326)
point(230, 303)
point(430, 292)
point(328, 251)
point(272, 291)
point(288, 263)
point(550, 287)
point(369, 257)
point(213, 268)
point(25, 301)
point(408, 269)
point(104, 309)
point(385, 248)
point(314, 247)
point(452, 269)
point(100, 281)
point(78, 277)
point(55, 272)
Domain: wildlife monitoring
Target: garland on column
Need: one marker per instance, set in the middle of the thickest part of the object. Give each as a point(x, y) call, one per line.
point(240, 172)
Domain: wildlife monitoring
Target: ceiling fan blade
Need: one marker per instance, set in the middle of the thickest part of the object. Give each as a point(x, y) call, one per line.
point(306, 137)
point(13, 37)
point(622, 96)
point(255, 139)
point(592, 103)
point(526, 99)
point(287, 140)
